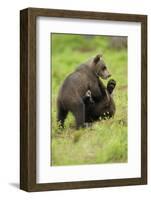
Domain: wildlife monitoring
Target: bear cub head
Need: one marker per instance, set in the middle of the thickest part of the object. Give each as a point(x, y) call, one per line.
point(99, 67)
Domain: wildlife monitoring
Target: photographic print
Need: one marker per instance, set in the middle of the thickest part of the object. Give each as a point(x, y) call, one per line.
point(89, 99)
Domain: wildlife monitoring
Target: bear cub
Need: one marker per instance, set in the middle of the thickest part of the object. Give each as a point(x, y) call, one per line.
point(84, 95)
point(104, 109)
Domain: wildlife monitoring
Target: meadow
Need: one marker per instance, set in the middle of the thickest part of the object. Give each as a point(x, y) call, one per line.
point(105, 141)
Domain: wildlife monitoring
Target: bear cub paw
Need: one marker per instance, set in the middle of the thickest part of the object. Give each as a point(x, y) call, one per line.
point(88, 98)
point(111, 85)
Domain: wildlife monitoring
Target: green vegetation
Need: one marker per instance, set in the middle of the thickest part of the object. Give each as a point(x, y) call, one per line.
point(105, 141)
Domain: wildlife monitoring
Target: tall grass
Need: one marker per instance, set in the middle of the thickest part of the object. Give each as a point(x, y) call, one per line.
point(105, 141)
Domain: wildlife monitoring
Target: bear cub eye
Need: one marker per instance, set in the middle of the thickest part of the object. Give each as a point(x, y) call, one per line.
point(104, 67)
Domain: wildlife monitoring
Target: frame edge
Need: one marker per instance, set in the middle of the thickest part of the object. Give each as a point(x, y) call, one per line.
point(27, 100)
point(23, 99)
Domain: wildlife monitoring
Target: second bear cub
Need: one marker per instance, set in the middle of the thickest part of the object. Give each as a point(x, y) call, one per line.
point(103, 109)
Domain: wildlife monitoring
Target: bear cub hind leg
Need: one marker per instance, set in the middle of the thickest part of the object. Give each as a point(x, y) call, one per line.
point(62, 114)
point(79, 113)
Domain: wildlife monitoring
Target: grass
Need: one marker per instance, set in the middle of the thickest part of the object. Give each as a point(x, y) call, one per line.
point(104, 141)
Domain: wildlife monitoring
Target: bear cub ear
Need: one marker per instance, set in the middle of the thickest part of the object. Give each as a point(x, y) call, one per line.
point(97, 58)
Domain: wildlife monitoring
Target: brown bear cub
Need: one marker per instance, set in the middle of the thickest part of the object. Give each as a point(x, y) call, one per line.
point(103, 109)
point(84, 95)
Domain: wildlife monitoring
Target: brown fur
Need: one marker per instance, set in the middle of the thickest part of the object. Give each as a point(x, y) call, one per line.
point(75, 86)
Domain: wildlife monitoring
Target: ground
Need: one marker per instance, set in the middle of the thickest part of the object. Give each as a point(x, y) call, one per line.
point(105, 141)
